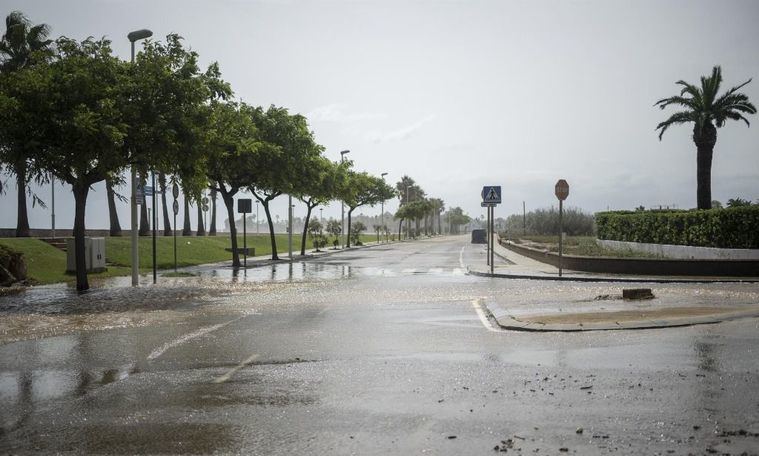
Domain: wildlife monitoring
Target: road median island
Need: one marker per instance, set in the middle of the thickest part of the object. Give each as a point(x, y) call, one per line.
point(647, 318)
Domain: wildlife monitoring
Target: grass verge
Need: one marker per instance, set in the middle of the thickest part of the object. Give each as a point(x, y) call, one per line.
point(47, 264)
point(578, 245)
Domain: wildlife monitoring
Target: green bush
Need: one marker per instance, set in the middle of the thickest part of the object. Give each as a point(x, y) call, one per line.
point(736, 228)
point(546, 221)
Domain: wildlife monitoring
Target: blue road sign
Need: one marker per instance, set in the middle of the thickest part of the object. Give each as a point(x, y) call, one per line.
point(148, 190)
point(491, 194)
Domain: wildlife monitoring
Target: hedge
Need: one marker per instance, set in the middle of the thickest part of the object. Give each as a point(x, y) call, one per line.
point(736, 228)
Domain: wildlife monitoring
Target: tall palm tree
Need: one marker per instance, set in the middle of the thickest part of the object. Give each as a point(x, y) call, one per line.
point(164, 206)
point(212, 229)
point(707, 111)
point(113, 216)
point(22, 45)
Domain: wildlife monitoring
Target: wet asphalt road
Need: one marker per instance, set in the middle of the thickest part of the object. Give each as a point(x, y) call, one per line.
point(373, 351)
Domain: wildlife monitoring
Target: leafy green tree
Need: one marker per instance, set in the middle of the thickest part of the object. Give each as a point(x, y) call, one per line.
point(233, 157)
point(738, 202)
point(21, 46)
point(707, 110)
point(319, 185)
point(361, 189)
point(456, 218)
point(356, 231)
point(291, 157)
point(76, 98)
point(334, 228)
point(315, 230)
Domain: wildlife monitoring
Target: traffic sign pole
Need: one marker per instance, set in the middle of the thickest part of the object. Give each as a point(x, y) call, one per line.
point(562, 192)
point(487, 228)
point(152, 192)
point(561, 232)
point(492, 237)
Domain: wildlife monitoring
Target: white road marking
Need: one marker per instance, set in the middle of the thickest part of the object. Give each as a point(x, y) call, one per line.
point(232, 371)
point(461, 258)
point(436, 270)
point(458, 271)
point(187, 337)
point(409, 271)
point(484, 315)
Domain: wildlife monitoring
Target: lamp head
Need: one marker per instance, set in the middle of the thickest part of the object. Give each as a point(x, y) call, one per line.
point(344, 152)
point(139, 35)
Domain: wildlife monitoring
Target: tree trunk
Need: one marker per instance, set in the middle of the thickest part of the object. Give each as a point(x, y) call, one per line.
point(201, 227)
point(265, 204)
point(165, 206)
point(186, 229)
point(144, 224)
point(305, 229)
point(705, 141)
point(212, 229)
point(80, 202)
point(348, 242)
point(113, 215)
point(229, 202)
point(22, 220)
point(400, 227)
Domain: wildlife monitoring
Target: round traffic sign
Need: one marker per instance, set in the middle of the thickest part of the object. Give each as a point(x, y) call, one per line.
point(205, 200)
point(175, 207)
point(562, 189)
point(205, 208)
point(175, 190)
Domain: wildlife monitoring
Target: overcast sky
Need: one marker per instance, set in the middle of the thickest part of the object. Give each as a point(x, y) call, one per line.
point(461, 94)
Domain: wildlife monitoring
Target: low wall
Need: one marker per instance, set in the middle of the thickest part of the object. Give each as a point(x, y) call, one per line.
point(642, 266)
point(682, 252)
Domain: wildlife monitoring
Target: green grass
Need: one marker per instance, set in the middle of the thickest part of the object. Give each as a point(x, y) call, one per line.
point(46, 264)
point(580, 245)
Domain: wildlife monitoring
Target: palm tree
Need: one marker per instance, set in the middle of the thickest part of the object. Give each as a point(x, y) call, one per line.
point(22, 45)
point(708, 112)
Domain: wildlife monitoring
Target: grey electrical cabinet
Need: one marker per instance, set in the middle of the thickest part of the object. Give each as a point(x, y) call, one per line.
point(94, 255)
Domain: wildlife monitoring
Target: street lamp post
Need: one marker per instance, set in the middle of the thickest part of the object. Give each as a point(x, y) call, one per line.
point(382, 209)
point(342, 203)
point(256, 216)
point(134, 36)
point(408, 224)
point(321, 215)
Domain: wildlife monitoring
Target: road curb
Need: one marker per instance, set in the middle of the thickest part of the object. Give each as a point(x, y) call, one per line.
point(572, 278)
point(510, 323)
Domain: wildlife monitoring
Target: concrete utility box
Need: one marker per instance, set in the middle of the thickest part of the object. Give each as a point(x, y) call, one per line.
point(94, 255)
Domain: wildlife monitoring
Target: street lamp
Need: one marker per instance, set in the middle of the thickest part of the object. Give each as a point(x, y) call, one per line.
point(134, 36)
point(342, 203)
point(382, 206)
point(256, 216)
point(321, 215)
point(408, 224)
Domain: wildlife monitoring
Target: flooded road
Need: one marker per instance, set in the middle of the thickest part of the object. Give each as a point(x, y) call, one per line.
point(372, 351)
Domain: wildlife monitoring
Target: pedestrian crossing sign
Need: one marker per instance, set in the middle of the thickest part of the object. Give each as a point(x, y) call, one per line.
point(491, 194)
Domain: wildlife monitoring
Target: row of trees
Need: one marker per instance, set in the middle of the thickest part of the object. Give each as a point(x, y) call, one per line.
point(73, 110)
point(428, 214)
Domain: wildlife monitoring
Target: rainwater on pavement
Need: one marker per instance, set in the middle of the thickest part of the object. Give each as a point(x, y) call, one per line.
point(368, 351)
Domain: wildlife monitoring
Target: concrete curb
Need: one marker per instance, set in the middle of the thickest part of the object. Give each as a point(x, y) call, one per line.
point(590, 278)
point(510, 323)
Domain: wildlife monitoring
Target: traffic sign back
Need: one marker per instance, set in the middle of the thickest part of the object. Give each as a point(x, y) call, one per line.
point(491, 194)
